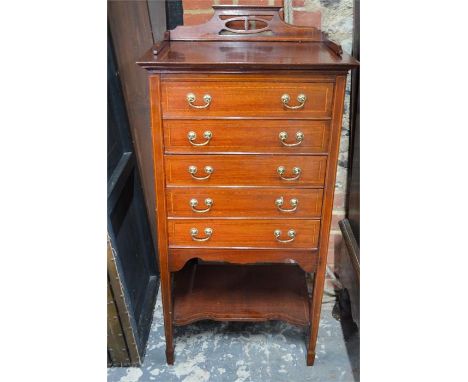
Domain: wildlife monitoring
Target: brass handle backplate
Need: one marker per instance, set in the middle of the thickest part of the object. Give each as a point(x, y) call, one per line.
point(296, 171)
point(301, 98)
point(194, 233)
point(192, 135)
point(291, 234)
point(208, 204)
point(280, 201)
point(193, 170)
point(283, 136)
point(191, 98)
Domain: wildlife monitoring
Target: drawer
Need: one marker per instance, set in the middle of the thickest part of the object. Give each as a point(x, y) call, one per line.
point(249, 136)
point(244, 202)
point(246, 99)
point(243, 233)
point(245, 170)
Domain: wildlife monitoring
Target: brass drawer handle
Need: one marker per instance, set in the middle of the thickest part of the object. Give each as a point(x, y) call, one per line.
point(194, 203)
point(193, 170)
point(296, 171)
point(194, 233)
point(192, 135)
point(191, 98)
point(283, 136)
point(280, 201)
point(291, 234)
point(301, 98)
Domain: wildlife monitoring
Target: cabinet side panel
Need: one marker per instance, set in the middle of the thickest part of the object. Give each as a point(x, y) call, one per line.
point(158, 152)
point(329, 191)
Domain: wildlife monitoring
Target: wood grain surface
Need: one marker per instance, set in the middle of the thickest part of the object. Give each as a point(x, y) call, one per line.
point(241, 202)
point(246, 136)
point(244, 99)
point(245, 170)
point(253, 293)
point(306, 259)
point(246, 23)
point(241, 56)
point(250, 233)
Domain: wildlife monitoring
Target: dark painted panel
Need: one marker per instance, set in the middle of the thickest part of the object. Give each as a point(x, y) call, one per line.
point(354, 185)
point(127, 221)
point(114, 149)
point(353, 199)
point(130, 28)
point(128, 233)
point(174, 13)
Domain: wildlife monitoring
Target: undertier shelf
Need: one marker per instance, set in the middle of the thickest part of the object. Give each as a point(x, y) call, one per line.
point(240, 293)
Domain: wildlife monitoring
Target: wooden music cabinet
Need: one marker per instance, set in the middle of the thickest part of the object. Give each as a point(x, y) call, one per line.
point(246, 117)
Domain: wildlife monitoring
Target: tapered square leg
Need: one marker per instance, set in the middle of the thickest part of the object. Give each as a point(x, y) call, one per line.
point(170, 355)
point(167, 312)
point(315, 308)
point(310, 358)
point(319, 276)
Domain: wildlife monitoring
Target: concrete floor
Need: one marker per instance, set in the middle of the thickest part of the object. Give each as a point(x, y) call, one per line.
point(248, 352)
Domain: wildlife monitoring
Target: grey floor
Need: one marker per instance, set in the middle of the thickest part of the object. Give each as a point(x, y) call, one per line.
point(248, 352)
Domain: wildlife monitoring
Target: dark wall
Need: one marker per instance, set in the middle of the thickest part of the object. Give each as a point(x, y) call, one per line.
point(353, 199)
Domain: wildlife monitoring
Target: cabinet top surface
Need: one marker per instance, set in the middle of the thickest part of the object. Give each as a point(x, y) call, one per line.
point(247, 54)
point(242, 38)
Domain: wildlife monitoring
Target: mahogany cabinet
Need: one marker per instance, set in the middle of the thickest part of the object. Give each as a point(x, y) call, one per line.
point(246, 115)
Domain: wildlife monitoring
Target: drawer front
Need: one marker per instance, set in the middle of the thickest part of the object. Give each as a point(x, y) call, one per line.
point(245, 170)
point(234, 202)
point(246, 99)
point(241, 233)
point(249, 136)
